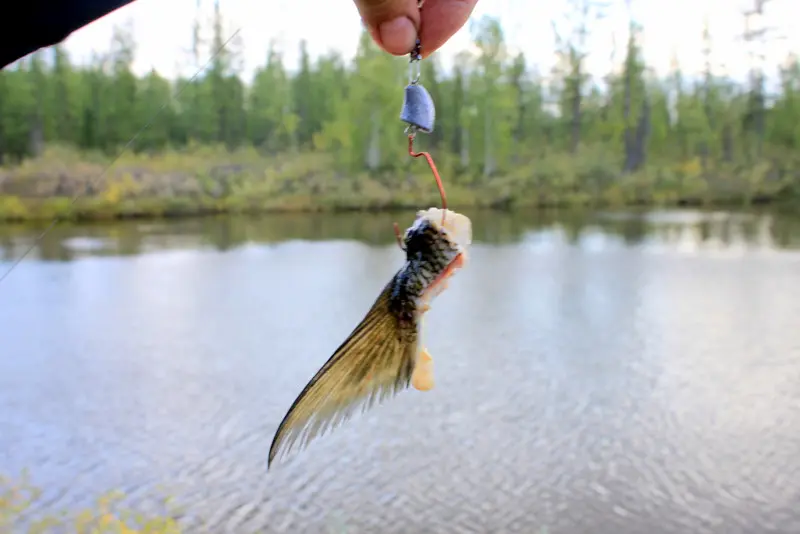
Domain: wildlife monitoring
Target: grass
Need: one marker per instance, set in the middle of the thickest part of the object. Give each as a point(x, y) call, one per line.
point(209, 180)
point(18, 497)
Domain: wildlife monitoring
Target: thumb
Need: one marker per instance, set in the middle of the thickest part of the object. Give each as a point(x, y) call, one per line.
point(392, 23)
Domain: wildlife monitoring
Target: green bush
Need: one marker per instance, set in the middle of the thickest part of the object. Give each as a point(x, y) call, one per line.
point(207, 179)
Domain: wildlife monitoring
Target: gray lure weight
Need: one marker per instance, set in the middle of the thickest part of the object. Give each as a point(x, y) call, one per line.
point(418, 109)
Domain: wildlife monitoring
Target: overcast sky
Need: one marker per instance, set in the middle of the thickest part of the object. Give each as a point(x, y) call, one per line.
point(163, 30)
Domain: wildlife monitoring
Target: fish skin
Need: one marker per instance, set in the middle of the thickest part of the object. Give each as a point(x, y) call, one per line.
point(378, 358)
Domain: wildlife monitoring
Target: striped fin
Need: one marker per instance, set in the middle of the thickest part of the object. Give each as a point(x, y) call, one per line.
point(375, 362)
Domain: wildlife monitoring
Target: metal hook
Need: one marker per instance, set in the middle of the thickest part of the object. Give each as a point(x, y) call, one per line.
point(398, 235)
point(434, 170)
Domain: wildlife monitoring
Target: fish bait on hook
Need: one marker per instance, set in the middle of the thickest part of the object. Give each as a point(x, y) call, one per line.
point(384, 354)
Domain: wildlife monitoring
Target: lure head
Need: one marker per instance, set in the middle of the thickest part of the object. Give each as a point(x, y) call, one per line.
point(418, 109)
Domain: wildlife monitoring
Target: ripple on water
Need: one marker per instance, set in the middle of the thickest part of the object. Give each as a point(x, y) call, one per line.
point(582, 386)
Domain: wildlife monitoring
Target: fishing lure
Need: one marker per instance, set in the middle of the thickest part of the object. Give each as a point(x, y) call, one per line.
point(384, 354)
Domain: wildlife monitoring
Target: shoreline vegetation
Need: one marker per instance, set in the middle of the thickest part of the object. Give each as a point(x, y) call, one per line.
point(324, 135)
point(20, 511)
point(206, 180)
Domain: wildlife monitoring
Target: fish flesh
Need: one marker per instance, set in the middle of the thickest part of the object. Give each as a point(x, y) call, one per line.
point(384, 353)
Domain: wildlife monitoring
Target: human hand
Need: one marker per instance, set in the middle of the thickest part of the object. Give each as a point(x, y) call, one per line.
point(396, 24)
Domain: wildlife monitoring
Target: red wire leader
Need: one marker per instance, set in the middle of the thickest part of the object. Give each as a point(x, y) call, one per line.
point(439, 184)
point(432, 165)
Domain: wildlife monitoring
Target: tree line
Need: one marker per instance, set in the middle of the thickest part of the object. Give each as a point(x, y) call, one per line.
point(495, 113)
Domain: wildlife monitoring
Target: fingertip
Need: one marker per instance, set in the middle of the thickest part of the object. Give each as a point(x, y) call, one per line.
point(441, 19)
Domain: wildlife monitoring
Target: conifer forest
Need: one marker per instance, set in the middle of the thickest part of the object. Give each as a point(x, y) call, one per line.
point(325, 134)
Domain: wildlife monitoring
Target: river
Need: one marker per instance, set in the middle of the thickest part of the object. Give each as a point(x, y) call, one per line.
point(596, 373)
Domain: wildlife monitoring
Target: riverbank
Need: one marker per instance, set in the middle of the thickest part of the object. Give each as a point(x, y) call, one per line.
point(207, 180)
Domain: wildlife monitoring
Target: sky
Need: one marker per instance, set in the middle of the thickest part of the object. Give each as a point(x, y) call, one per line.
point(163, 30)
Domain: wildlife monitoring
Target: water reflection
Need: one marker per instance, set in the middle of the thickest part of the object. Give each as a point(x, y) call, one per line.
point(674, 229)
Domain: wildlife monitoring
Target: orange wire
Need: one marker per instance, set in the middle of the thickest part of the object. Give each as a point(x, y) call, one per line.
point(432, 165)
point(439, 184)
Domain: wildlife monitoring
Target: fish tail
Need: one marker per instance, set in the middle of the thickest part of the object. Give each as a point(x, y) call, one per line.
point(375, 362)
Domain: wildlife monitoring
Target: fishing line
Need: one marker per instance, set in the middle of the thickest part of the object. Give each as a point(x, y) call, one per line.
point(79, 194)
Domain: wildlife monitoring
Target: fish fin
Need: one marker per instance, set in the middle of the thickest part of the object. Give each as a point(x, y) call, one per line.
point(375, 362)
point(422, 377)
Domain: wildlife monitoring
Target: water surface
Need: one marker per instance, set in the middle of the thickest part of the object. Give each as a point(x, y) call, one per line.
point(596, 373)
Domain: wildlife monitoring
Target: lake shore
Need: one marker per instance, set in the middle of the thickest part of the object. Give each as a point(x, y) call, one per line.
point(205, 181)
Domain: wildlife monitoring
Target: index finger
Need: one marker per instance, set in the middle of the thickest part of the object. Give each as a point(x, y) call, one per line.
point(440, 20)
